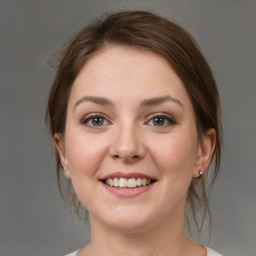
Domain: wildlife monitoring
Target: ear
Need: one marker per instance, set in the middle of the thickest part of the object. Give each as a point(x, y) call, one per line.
point(60, 146)
point(205, 152)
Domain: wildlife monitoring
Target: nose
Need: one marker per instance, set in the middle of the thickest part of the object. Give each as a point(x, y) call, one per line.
point(127, 144)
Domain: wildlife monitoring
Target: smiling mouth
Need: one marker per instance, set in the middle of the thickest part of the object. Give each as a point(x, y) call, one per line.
point(128, 183)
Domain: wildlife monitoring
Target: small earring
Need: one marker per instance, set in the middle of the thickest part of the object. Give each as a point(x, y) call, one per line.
point(201, 173)
point(68, 173)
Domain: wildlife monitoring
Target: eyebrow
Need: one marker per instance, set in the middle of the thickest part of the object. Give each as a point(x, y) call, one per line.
point(97, 100)
point(145, 103)
point(160, 100)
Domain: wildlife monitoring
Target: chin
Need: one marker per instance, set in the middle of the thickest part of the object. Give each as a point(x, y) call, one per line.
point(129, 219)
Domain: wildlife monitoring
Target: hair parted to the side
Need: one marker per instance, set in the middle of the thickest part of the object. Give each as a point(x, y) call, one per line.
point(145, 30)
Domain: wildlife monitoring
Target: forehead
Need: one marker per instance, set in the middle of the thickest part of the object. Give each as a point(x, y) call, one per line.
point(124, 72)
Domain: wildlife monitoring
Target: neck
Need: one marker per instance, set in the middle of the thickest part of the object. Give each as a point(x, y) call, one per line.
point(165, 238)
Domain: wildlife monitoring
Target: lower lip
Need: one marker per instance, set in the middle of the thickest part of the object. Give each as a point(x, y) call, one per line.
point(128, 192)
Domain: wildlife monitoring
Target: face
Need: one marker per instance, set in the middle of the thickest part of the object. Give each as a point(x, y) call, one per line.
point(131, 144)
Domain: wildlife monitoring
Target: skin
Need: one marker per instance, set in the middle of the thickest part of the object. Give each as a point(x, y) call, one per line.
point(128, 140)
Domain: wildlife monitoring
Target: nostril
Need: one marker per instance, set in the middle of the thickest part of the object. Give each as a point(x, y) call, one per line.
point(126, 158)
point(132, 157)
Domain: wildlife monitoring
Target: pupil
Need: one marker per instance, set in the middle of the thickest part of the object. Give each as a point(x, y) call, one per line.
point(97, 121)
point(158, 121)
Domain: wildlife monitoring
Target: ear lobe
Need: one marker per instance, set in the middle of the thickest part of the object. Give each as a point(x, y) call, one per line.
point(205, 152)
point(59, 144)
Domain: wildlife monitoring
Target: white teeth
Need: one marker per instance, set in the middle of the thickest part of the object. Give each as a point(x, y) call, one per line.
point(144, 182)
point(110, 182)
point(138, 183)
point(127, 183)
point(116, 182)
point(123, 183)
point(132, 183)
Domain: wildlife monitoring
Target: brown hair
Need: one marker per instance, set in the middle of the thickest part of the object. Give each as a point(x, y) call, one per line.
point(147, 31)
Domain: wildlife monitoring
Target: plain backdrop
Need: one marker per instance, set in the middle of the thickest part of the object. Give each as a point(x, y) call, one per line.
point(33, 219)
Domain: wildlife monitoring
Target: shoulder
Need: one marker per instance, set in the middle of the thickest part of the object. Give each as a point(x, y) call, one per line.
point(72, 253)
point(211, 252)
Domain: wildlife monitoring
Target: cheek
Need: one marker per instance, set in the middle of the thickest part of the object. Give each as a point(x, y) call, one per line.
point(176, 156)
point(84, 153)
point(175, 159)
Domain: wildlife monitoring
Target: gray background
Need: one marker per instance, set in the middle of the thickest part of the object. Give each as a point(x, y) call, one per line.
point(33, 220)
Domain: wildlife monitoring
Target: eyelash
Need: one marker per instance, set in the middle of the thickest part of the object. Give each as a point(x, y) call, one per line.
point(90, 117)
point(170, 120)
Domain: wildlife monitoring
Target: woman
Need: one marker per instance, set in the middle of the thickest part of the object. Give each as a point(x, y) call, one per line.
point(134, 116)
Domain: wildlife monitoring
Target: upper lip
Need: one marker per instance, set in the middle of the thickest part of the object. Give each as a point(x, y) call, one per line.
point(127, 175)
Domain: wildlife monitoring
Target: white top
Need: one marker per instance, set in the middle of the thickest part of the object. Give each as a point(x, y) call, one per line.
point(210, 252)
point(73, 253)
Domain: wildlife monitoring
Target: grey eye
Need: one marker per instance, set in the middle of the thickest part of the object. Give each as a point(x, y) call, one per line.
point(159, 121)
point(97, 121)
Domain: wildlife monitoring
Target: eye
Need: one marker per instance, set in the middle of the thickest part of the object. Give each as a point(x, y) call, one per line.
point(161, 120)
point(95, 120)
